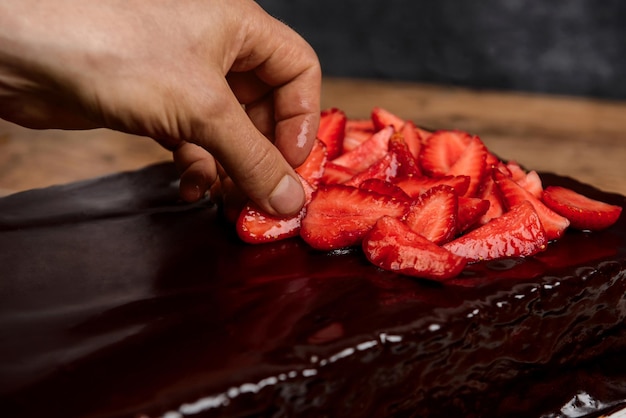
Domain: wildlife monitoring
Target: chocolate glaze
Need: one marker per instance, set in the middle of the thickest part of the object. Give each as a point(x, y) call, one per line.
point(118, 300)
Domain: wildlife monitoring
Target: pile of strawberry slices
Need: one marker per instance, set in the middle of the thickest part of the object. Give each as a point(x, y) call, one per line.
point(421, 203)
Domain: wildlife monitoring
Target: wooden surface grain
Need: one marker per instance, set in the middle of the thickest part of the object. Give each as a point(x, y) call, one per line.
point(581, 138)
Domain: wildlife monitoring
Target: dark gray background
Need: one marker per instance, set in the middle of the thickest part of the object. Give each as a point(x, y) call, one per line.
point(573, 47)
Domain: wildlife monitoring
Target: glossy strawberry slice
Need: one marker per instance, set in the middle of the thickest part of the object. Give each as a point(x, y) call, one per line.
point(357, 132)
point(471, 210)
point(255, 226)
point(434, 214)
point(338, 216)
point(384, 187)
point(415, 186)
point(583, 213)
point(441, 150)
point(471, 163)
point(312, 169)
point(513, 194)
point(336, 174)
point(387, 168)
point(489, 191)
point(383, 118)
point(393, 246)
point(407, 163)
point(367, 153)
point(413, 139)
point(332, 130)
point(517, 233)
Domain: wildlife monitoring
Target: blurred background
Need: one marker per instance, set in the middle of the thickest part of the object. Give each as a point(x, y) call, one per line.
point(575, 47)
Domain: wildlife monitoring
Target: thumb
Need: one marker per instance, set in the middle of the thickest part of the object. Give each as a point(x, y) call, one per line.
point(252, 161)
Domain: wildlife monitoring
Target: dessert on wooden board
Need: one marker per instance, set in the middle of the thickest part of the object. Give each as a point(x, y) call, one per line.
point(119, 300)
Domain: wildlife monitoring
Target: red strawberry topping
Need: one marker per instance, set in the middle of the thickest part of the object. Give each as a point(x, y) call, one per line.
point(338, 216)
point(434, 214)
point(392, 245)
point(332, 130)
point(583, 213)
point(517, 233)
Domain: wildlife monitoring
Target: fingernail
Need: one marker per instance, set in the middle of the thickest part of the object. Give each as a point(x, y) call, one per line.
point(287, 197)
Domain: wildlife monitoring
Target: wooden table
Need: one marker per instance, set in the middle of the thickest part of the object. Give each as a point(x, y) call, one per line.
point(582, 138)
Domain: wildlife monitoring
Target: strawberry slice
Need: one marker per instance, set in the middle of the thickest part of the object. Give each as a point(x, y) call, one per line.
point(407, 164)
point(490, 192)
point(386, 168)
point(471, 163)
point(338, 216)
point(583, 212)
point(383, 118)
point(364, 125)
point(434, 214)
point(367, 153)
point(357, 132)
point(393, 246)
point(517, 233)
point(412, 138)
point(471, 210)
point(336, 174)
point(415, 186)
point(513, 195)
point(442, 150)
point(255, 226)
point(332, 130)
point(312, 169)
point(384, 187)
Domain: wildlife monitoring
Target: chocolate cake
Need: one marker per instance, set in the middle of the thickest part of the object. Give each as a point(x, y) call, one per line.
point(117, 300)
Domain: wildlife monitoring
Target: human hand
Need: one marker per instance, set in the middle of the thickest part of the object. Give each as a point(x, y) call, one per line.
point(176, 71)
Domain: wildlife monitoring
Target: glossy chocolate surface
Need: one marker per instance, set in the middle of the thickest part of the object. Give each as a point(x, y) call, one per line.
point(118, 300)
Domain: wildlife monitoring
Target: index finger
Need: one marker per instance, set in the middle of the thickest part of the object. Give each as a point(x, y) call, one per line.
point(284, 60)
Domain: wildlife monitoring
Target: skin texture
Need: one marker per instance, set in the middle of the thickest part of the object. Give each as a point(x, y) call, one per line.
point(230, 90)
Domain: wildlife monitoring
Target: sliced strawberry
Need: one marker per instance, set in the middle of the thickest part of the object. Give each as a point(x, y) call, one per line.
point(471, 163)
point(312, 169)
point(441, 150)
point(490, 192)
point(583, 212)
point(393, 246)
point(365, 125)
point(255, 226)
point(384, 187)
point(336, 174)
point(383, 118)
point(407, 164)
point(532, 183)
point(471, 210)
point(354, 138)
point(412, 138)
point(434, 214)
point(338, 216)
point(517, 233)
point(513, 195)
point(386, 169)
point(516, 172)
point(415, 186)
point(367, 153)
point(332, 130)
point(492, 160)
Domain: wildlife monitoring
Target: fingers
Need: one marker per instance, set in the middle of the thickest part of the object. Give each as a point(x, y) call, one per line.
point(249, 158)
point(284, 61)
point(198, 171)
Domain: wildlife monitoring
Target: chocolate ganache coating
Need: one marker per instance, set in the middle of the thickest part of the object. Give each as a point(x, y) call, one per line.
point(117, 299)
